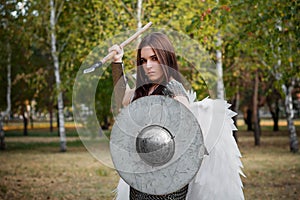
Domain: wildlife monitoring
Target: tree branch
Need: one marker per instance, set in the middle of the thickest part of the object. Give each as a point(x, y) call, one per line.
point(62, 47)
point(59, 11)
point(131, 14)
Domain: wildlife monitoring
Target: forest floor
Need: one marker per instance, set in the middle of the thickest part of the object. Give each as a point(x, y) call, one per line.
point(32, 167)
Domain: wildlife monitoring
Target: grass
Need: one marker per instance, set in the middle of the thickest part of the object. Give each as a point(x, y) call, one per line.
point(39, 132)
point(33, 168)
point(272, 171)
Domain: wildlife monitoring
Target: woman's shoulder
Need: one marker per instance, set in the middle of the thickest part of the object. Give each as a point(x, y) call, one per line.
point(174, 81)
point(175, 88)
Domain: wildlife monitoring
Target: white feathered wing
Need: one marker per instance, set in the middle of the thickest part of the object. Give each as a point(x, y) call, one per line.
point(219, 174)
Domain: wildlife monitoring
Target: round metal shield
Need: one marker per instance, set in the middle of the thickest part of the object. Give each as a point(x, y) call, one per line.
point(156, 145)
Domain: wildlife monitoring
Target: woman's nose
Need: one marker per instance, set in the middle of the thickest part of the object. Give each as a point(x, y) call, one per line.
point(149, 64)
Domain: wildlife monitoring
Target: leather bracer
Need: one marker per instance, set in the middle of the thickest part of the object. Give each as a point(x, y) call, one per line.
point(119, 82)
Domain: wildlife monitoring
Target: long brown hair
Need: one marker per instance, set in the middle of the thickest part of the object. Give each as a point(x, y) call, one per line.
point(165, 53)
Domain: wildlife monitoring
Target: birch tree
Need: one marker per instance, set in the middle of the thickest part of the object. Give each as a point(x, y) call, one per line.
point(219, 67)
point(53, 20)
point(284, 48)
point(5, 25)
point(288, 89)
point(139, 13)
point(8, 98)
point(288, 85)
point(272, 29)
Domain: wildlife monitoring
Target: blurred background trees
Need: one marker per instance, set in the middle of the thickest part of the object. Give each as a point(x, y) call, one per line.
point(258, 42)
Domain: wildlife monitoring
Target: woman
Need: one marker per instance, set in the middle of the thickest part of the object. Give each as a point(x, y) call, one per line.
point(157, 70)
point(157, 74)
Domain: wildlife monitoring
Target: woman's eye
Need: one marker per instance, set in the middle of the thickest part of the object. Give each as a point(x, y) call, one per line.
point(143, 61)
point(154, 58)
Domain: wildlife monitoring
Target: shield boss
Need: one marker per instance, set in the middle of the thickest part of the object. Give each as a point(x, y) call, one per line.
point(155, 145)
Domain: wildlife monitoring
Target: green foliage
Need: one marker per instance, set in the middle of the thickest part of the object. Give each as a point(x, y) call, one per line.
point(251, 40)
point(272, 29)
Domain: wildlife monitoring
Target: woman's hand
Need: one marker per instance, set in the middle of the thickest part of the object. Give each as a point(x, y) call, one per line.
point(119, 53)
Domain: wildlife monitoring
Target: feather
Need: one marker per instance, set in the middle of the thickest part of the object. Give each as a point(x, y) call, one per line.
point(122, 190)
point(191, 95)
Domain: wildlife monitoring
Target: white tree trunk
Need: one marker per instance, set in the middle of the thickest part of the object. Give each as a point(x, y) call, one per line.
point(219, 68)
point(139, 17)
point(8, 94)
point(139, 13)
point(8, 98)
point(288, 89)
point(63, 145)
point(294, 144)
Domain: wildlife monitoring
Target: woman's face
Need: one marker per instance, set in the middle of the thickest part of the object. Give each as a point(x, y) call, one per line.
point(151, 65)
